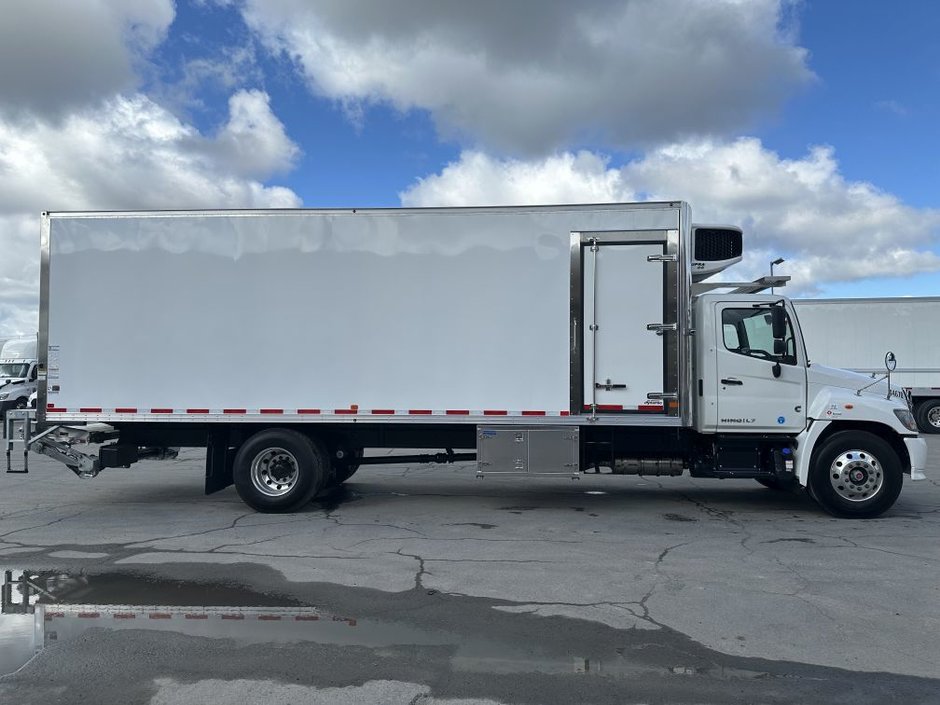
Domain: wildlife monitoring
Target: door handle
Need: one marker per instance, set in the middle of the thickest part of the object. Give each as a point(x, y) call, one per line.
point(732, 381)
point(608, 386)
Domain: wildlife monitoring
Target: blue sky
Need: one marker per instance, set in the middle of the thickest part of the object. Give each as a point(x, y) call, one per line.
point(809, 123)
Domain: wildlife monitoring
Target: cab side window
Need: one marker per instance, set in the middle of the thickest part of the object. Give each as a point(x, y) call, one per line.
point(749, 331)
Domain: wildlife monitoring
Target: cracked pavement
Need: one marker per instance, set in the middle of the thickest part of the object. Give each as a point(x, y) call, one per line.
point(726, 568)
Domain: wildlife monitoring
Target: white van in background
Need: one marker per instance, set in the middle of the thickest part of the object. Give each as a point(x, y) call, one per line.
point(18, 372)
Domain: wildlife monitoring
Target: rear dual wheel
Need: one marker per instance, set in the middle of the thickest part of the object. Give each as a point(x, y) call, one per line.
point(280, 470)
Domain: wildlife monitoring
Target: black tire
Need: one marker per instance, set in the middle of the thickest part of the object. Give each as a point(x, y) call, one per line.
point(774, 483)
point(345, 467)
point(21, 403)
point(927, 415)
point(880, 475)
point(276, 455)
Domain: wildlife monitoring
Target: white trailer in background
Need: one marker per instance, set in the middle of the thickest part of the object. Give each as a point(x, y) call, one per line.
point(855, 334)
point(556, 339)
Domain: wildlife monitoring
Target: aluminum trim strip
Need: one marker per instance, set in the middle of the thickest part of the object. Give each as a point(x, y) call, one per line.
point(249, 212)
point(43, 341)
point(564, 418)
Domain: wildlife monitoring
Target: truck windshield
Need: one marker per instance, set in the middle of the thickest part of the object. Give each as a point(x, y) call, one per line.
point(14, 369)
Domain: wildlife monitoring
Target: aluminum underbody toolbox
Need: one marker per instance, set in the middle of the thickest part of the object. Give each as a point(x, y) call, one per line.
point(533, 450)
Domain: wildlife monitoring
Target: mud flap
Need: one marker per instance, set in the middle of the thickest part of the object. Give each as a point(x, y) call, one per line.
point(220, 456)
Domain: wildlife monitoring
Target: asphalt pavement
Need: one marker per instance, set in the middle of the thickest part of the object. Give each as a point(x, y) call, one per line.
point(424, 584)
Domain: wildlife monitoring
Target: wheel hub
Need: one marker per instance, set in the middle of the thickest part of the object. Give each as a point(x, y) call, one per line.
point(281, 469)
point(856, 475)
point(274, 472)
point(933, 417)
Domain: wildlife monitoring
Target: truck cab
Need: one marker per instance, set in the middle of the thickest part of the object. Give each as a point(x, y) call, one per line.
point(754, 378)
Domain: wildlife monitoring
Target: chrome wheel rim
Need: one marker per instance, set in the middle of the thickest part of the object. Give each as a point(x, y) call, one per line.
point(856, 475)
point(274, 472)
point(933, 417)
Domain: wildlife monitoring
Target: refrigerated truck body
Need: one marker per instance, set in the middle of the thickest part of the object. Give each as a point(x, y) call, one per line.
point(857, 333)
point(553, 339)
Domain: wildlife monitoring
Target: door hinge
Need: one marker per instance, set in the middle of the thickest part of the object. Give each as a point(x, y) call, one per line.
point(662, 258)
point(662, 395)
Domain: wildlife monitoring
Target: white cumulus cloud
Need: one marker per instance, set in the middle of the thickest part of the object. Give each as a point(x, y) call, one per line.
point(254, 141)
point(530, 76)
point(829, 228)
point(55, 56)
point(126, 153)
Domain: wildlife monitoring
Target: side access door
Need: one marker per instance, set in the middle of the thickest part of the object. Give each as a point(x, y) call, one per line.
point(761, 381)
point(627, 333)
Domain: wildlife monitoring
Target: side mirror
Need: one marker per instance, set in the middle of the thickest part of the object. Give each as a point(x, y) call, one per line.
point(778, 322)
point(891, 362)
point(780, 347)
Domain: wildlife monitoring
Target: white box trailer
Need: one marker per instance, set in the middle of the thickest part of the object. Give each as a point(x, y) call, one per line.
point(855, 334)
point(557, 339)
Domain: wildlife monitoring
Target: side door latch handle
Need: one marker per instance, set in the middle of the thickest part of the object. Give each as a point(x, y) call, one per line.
point(732, 381)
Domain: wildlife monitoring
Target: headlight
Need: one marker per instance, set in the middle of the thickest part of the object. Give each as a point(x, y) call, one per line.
point(4, 396)
point(906, 418)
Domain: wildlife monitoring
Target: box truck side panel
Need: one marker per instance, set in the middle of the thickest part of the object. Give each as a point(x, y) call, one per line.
point(306, 311)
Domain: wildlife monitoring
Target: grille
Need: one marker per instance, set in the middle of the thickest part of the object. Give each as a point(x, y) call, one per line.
point(715, 244)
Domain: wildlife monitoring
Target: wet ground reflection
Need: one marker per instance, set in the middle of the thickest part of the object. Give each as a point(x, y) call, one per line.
point(41, 609)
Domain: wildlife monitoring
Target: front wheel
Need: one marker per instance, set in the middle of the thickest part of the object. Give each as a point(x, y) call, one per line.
point(927, 414)
point(855, 474)
point(279, 470)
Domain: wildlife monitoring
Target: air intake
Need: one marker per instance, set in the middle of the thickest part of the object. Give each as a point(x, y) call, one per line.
point(714, 248)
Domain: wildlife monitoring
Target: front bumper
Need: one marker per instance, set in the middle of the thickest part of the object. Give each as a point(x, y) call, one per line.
point(917, 450)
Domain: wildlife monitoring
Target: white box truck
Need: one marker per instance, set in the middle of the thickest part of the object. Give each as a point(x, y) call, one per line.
point(556, 339)
point(856, 334)
point(18, 372)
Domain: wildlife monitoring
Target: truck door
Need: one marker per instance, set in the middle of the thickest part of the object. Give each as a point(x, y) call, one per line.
point(622, 294)
point(750, 397)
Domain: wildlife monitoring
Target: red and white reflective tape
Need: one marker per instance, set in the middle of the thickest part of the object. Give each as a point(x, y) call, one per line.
point(348, 411)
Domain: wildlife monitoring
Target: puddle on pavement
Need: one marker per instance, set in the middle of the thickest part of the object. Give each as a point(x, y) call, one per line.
point(40, 609)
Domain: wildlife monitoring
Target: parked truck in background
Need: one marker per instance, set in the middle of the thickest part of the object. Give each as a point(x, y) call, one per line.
point(18, 372)
point(855, 334)
point(555, 339)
